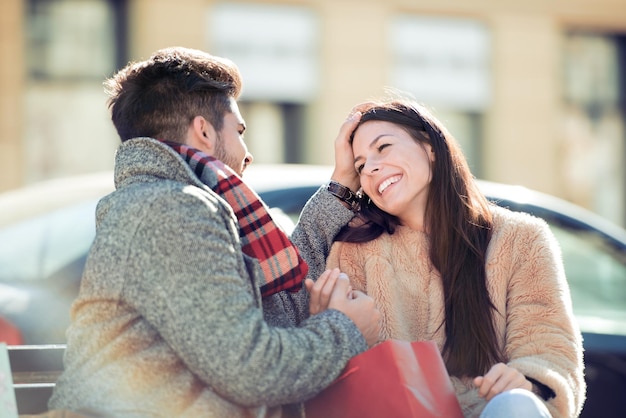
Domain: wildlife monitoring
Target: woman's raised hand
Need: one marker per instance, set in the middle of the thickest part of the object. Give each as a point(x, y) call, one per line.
point(344, 172)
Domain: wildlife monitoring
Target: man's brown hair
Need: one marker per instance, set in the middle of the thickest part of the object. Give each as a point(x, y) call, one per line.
point(161, 96)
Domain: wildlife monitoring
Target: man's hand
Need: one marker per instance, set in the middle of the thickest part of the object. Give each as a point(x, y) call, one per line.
point(333, 291)
point(500, 378)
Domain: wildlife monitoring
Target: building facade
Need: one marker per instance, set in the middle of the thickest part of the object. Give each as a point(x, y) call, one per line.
point(534, 91)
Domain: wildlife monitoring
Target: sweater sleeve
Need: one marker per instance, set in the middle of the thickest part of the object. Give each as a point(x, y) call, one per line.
point(189, 280)
point(542, 339)
point(321, 219)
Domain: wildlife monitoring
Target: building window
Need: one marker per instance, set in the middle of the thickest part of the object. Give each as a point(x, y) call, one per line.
point(278, 56)
point(74, 39)
point(594, 140)
point(277, 53)
point(444, 63)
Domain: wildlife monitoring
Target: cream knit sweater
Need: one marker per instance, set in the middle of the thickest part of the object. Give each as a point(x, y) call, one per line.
point(527, 284)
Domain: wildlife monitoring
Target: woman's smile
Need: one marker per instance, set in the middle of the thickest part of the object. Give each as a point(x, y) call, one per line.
point(388, 182)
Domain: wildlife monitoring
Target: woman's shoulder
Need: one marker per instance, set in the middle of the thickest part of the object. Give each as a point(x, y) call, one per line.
point(505, 219)
point(520, 230)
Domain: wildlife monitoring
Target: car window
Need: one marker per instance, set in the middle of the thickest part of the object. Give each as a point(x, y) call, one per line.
point(596, 272)
point(36, 248)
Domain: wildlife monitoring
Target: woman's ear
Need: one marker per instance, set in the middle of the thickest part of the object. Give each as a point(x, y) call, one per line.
point(430, 151)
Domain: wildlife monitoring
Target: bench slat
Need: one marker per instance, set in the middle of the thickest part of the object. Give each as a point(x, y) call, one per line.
point(33, 399)
point(35, 370)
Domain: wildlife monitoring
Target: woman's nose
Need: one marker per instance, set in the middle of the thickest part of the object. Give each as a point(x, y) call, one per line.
point(371, 167)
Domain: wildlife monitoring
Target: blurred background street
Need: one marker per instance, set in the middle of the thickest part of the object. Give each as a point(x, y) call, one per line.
point(534, 90)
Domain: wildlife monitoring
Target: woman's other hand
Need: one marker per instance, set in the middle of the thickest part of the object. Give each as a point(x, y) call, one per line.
point(500, 378)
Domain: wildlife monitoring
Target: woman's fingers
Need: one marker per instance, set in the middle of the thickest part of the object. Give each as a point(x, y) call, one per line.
point(321, 290)
point(344, 172)
point(500, 378)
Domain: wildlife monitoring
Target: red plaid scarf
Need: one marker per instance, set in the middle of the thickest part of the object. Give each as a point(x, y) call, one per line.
point(261, 237)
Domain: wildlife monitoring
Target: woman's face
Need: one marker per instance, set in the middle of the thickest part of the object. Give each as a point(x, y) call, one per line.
point(394, 169)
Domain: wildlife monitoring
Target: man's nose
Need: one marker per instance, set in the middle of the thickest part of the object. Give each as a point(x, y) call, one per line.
point(248, 159)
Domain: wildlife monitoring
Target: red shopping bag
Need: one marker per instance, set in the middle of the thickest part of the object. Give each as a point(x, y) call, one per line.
point(397, 379)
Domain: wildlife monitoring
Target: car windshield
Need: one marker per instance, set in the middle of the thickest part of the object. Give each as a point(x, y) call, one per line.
point(596, 273)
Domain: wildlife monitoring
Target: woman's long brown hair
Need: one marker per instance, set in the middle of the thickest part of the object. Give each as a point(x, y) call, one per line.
point(459, 224)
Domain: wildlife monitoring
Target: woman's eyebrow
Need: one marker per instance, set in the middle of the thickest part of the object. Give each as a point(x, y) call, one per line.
point(372, 144)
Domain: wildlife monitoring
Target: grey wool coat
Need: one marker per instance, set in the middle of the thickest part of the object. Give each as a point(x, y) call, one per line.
point(169, 321)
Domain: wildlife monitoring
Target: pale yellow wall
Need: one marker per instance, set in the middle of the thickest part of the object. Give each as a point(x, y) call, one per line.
point(11, 92)
point(353, 68)
point(156, 24)
point(522, 124)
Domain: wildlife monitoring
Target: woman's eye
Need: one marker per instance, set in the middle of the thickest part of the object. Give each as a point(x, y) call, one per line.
point(382, 147)
point(359, 168)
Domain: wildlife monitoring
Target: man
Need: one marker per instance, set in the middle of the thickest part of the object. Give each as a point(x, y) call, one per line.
point(191, 303)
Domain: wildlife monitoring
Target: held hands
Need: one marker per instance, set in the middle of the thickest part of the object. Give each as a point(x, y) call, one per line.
point(500, 378)
point(333, 291)
point(323, 289)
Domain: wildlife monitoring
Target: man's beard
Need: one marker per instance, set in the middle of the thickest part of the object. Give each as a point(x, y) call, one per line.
point(222, 154)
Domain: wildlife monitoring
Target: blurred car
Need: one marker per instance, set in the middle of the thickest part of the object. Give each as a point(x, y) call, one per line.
point(46, 231)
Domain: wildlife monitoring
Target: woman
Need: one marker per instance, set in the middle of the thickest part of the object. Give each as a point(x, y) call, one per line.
point(444, 264)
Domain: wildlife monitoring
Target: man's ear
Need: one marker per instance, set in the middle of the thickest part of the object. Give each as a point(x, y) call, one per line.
point(202, 135)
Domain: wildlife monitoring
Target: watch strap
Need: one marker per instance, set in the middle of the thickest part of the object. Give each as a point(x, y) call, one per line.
point(344, 194)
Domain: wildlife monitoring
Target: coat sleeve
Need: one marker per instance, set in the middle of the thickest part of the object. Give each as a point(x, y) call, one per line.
point(190, 282)
point(543, 340)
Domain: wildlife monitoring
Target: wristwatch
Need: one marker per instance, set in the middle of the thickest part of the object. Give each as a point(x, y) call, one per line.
point(344, 194)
